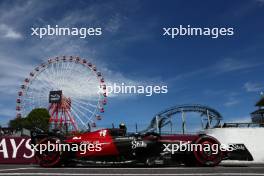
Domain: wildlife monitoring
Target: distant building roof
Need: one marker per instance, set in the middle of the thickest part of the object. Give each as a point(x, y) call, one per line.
point(260, 102)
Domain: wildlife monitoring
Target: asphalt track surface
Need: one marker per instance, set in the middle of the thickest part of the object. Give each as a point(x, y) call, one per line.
point(129, 171)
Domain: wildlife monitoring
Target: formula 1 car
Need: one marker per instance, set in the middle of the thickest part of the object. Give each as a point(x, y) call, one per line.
point(115, 146)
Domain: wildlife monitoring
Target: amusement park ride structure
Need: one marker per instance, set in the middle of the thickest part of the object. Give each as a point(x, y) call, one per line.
point(71, 88)
point(60, 112)
point(209, 117)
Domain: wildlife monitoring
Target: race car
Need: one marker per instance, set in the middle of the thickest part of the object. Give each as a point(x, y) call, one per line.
point(116, 147)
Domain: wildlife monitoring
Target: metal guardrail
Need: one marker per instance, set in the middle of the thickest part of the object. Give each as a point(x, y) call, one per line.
point(242, 125)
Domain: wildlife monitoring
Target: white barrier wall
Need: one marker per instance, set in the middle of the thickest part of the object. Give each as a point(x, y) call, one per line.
point(252, 138)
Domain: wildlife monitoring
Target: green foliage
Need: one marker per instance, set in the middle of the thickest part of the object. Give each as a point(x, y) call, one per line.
point(16, 123)
point(38, 117)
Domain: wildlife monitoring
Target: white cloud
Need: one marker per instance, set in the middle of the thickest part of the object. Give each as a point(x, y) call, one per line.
point(12, 73)
point(233, 99)
point(7, 112)
point(231, 102)
point(8, 32)
point(114, 23)
point(245, 119)
point(221, 67)
point(253, 87)
point(231, 64)
point(260, 1)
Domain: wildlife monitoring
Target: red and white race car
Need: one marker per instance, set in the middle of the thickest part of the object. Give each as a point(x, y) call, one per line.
point(115, 146)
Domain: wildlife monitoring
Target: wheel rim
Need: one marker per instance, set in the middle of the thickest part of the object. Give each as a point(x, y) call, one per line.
point(208, 158)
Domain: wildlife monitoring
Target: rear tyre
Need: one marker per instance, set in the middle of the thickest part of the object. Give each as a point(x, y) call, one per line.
point(47, 158)
point(209, 154)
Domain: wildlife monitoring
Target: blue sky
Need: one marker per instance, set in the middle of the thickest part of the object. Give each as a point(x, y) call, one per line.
point(224, 73)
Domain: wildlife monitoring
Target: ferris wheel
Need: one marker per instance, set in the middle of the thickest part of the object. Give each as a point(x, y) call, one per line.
point(71, 88)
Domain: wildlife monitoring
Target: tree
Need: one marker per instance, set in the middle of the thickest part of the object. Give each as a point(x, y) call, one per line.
point(17, 123)
point(38, 117)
